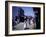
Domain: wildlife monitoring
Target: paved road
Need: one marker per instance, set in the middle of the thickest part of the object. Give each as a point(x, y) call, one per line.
point(21, 26)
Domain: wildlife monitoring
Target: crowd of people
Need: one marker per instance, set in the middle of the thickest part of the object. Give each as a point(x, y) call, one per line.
point(29, 21)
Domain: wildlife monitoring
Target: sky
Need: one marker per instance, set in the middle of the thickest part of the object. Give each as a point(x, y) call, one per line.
point(28, 11)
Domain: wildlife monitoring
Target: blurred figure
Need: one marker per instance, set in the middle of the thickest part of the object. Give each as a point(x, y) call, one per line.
point(30, 23)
